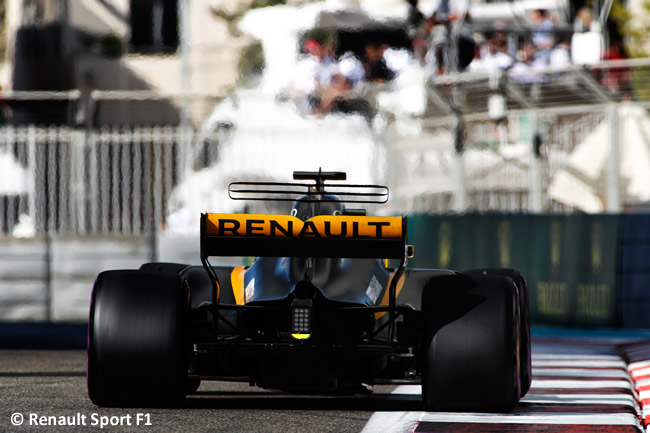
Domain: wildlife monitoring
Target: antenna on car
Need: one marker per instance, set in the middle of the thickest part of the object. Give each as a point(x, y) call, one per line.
point(319, 176)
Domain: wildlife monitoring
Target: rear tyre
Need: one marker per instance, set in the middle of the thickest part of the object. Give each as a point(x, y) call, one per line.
point(470, 344)
point(173, 268)
point(138, 346)
point(525, 363)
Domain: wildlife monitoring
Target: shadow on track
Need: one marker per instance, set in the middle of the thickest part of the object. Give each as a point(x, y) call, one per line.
point(267, 400)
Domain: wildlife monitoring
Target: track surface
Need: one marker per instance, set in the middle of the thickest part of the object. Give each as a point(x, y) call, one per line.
point(581, 384)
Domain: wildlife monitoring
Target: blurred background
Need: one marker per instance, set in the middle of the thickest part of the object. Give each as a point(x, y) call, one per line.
point(512, 133)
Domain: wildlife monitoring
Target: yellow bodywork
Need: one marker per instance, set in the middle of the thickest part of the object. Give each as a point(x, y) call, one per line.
point(322, 226)
point(237, 282)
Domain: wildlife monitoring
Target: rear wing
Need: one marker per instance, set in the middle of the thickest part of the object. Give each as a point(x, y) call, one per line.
point(344, 236)
point(336, 236)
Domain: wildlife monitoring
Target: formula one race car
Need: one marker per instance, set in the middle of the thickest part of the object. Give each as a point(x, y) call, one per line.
point(319, 311)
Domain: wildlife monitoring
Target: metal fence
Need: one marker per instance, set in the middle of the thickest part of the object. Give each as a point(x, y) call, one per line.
point(111, 180)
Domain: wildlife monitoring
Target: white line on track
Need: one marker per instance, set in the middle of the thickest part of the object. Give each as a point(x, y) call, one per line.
point(638, 365)
point(580, 384)
point(640, 372)
point(534, 418)
point(567, 372)
point(576, 357)
point(395, 422)
point(643, 382)
point(579, 363)
point(392, 422)
point(625, 399)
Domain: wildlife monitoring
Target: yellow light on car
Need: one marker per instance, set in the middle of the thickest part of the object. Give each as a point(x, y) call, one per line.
point(301, 336)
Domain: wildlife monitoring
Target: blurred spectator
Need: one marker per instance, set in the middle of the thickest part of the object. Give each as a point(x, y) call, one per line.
point(420, 48)
point(338, 89)
point(313, 73)
point(523, 71)
point(617, 79)
point(341, 98)
point(476, 65)
point(452, 40)
point(493, 55)
point(337, 96)
point(326, 65)
point(542, 37)
point(542, 29)
point(397, 59)
point(375, 64)
point(560, 57)
point(304, 77)
point(351, 68)
point(587, 41)
point(583, 20)
point(323, 84)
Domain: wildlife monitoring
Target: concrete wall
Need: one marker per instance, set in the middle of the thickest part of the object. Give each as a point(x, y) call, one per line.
point(52, 279)
point(23, 279)
point(43, 279)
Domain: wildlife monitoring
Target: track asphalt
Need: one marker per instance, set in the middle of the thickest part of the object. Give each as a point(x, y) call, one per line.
point(584, 381)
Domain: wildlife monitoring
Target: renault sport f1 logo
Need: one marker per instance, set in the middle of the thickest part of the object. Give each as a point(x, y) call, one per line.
point(323, 226)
